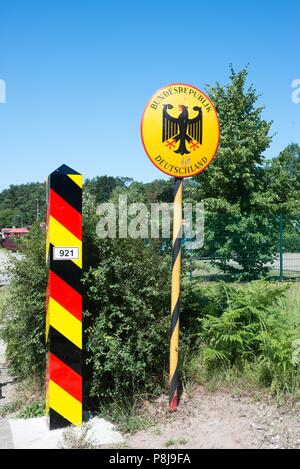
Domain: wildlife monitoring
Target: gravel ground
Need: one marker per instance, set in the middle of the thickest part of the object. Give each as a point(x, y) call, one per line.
point(220, 420)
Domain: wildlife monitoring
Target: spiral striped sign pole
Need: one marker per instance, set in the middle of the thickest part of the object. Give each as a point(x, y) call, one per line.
point(64, 298)
point(180, 132)
point(175, 292)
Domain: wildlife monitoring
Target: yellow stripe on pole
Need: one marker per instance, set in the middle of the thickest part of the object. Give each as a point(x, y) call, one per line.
point(47, 323)
point(61, 237)
point(65, 323)
point(175, 282)
point(64, 404)
point(174, 350)
point(177, 210)
point(77, 178)
point(47, 245)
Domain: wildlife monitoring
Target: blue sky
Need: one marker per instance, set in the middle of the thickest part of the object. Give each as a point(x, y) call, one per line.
point(79, 73)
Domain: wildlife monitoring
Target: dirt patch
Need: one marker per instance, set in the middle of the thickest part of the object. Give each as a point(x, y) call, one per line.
point(220, 420)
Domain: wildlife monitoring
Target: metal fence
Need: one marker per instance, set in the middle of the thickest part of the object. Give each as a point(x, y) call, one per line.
point(260, 244)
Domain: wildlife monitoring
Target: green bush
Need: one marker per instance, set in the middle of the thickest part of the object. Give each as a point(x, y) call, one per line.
point(22, 313)
point(252, 328)
point(241, 245)
point(126, 315)
point(126, 290)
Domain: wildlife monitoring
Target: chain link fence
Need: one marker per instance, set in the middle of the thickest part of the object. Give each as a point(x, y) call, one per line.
point(246, 248)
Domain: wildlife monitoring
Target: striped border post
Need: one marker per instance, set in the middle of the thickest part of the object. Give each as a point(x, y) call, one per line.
point(174, 335)
point(64, 298)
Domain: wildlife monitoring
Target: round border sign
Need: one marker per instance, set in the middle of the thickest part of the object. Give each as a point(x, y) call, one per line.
point(180, 130)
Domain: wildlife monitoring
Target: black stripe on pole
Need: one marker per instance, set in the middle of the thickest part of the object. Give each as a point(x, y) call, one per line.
point(176, 249)
point(65, 350)
point(177, 183)
point(175, 317)
point(67, 190)
point(56, 420)
point(67, 271)
point(173, 385)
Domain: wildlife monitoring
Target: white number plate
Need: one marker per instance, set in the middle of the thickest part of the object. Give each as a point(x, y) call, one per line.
point(65, 253)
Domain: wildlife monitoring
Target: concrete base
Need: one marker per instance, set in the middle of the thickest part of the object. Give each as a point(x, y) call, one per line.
point(34, 434)
point(5, 435)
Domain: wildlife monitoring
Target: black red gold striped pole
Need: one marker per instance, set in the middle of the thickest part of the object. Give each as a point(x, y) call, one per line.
point(64, 298)
point(175, 293)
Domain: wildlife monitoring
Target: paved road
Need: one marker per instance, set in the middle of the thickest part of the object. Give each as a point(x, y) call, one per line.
point(6, 441)
point(3, 269)
point(291, 262)
point(4, 258)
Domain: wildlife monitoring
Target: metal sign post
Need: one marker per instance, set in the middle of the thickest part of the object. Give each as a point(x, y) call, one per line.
point(64, 298)
point(180, 133)
point(175, 293)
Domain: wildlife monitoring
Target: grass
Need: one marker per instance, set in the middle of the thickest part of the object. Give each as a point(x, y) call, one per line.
point(31, 410)
point(206, 272)
point(127, 418)
point(77, 438)
point(242, 382)
point(4, 292)
point(175, 442)
point(10, 408)
point(22, 409)
point(291, 304)
point(256, 377)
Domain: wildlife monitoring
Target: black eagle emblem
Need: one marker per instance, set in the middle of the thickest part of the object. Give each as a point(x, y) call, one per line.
point(182, 129)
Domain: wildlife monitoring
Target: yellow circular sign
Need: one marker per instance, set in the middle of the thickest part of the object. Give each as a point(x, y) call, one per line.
point(180, 130)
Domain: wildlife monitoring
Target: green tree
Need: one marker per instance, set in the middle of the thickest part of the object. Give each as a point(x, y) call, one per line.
point(234, 187)
point(6, 217)
point(237, 172)
point(24, 200)
point(101, 187)
point(283, 173)
point(284, 192)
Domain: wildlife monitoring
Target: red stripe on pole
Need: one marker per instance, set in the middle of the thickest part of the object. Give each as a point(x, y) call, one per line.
point(65, 214)
point(47, 294)
point(173, 403)
point(65, 295)
point(65, 377)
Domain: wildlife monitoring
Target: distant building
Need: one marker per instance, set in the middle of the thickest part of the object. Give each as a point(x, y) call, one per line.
point(13, 232)
point(8, 235)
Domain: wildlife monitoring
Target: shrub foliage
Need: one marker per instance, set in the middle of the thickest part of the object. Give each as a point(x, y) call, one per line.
point(126, 289)
point(23, 312)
